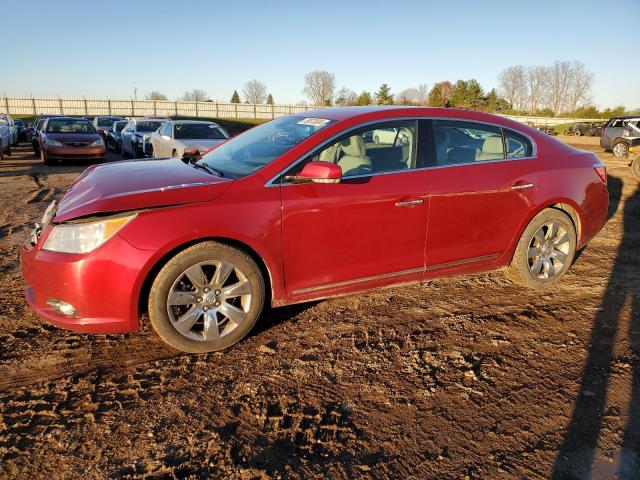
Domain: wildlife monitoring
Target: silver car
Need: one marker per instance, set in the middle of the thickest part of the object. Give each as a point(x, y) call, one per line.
point(134, 135)
point(176, 136)
point(618, 132)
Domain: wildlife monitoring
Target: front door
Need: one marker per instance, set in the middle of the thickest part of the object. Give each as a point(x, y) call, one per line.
point(365, 231)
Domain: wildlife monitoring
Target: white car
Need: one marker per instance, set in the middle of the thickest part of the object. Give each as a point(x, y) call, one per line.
point(135, 134)
point(176, 136)
point(389, 136)
point(5, 138)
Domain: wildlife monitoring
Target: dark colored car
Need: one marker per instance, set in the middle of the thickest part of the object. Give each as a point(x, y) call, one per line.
point(36, 132)
point(22, 129)
point(592, 129)
point(266, 219)
point(113, 138)
point(104, 123)
point(68, 138)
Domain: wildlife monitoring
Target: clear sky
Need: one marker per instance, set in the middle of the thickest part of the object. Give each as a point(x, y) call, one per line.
point(106, 48)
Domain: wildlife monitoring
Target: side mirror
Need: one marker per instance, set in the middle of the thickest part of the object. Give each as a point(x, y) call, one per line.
point(317, 172)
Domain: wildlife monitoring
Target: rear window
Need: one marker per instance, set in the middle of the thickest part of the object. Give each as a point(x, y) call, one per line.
point(148, 126)
point(69, 125)
point(106, 121)
point(198, 131)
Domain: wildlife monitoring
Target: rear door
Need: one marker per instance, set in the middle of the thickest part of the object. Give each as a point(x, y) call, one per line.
point(482, 190)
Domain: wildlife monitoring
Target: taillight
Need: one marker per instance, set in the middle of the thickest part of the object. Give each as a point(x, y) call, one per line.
point(601, 170)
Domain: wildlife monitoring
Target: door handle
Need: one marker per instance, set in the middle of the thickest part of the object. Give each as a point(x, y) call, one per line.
point(522, 186)
point(409, 203)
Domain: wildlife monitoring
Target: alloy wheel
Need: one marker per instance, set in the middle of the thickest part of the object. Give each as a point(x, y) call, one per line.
point(549, 250)
point(209, 300)
point(620, 149)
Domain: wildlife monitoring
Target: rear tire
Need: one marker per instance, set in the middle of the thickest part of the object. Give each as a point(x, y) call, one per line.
point(545, 250)
point(216, 309)
point(635, 168)
point(174, 154)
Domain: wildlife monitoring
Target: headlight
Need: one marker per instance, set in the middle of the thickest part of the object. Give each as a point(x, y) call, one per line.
point(97, 143)
point(83, 237)
point(52, 143)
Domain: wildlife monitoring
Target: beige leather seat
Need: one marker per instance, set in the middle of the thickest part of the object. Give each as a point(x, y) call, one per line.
point(492, 149)
point(354, 160)
point(329, 154)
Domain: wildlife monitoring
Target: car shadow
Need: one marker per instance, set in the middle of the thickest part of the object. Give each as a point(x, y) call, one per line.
point(272, 317)
point(575, 459)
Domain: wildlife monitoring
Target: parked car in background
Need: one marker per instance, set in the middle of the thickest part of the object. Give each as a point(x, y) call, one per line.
point(174, 136)
point(22, 129)
point(135, 134)
point(5, 139)
point(69, 138)
point(265, 219)
point(584, 129)
point(112, 136)
point(13, 129)
point(618, 132)
point(38, 124)
point(104, 123)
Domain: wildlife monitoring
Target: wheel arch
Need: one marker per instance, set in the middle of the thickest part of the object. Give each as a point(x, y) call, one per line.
point(152, 272)
point(564, 205)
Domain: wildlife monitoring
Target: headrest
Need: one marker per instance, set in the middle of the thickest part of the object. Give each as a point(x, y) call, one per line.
point(493, 145)
point(353, 146)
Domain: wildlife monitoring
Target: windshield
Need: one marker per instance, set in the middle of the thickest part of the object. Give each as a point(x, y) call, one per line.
point(199, 131)
point(148, 126)
point(107, 121)
point(69, 125)
point(249, 152)
point(120, 125)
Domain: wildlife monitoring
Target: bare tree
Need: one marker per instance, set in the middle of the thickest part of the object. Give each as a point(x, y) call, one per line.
point(319, 86)
point(536, 78)
point(155, 95)
point(423, 94)
point(558, 85)
point(513, 86)
point(195, 95)
point(346, 97)
point(408, 96)
point(579, 90)
point(255, 91)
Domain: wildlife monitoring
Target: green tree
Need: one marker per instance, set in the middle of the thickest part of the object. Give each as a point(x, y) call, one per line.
point(235, 98)
point(270, 100)
point(383, 95)
point(440, 94)
point(494, 103)
point(467, 94)
point(364, 99)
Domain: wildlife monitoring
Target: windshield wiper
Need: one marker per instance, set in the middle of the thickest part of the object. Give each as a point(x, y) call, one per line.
point(207, 168)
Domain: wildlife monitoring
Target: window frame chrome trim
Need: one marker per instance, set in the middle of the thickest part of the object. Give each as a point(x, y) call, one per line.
point(534, 149)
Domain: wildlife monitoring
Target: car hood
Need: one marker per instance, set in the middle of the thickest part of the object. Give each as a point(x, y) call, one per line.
point(132, 185)
point(73, 137)
point(202, 145)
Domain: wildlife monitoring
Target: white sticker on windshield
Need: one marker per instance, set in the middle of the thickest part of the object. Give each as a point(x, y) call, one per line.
point(316, 122)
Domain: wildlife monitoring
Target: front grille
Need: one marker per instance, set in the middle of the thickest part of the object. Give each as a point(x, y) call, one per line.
point(75, 144)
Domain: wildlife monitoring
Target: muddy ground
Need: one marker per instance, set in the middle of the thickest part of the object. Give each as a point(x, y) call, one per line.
point(470, 377)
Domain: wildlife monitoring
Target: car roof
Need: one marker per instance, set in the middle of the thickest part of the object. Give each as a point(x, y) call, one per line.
point(624, 117)
point(345, 113)
point(206, 122)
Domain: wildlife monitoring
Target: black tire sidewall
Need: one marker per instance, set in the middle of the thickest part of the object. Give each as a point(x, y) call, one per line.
point(206, 251)
point(520, 260)
point(623, 143)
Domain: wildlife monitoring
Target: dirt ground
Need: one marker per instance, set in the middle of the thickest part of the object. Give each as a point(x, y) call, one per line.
point(471, 377)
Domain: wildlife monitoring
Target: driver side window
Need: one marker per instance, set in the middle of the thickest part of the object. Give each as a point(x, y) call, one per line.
point(385, 147)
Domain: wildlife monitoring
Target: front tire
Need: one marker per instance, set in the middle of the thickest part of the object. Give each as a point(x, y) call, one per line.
point(545, 250)
point(620, 149)
point(206, 298)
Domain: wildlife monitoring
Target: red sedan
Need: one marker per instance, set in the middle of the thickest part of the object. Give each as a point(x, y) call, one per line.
point(305, 207)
